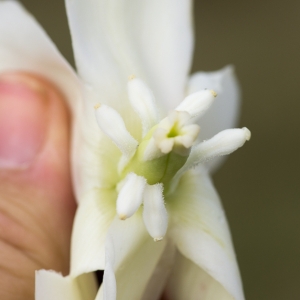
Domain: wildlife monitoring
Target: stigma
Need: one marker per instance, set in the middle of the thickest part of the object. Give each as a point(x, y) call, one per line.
point(175, 133)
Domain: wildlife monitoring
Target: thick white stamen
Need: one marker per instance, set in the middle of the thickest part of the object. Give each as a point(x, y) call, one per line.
point(130, 196)
point(112, 124)
point(223, 143)
point(143, 103)
point(198, 103)
point(155, 214)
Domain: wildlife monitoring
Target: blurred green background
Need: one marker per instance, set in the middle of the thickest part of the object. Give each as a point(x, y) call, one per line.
point(259, 184)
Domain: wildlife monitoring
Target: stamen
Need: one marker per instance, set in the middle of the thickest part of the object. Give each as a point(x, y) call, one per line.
point(130, 196)
point(143, 103)
point(155, 214)
point(112, 124)
point(223, 143)
point(197, 103)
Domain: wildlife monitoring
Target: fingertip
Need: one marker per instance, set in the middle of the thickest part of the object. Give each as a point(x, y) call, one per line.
point(34, 161)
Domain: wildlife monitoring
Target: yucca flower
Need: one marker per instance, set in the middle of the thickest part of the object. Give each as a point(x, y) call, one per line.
point(148, 213)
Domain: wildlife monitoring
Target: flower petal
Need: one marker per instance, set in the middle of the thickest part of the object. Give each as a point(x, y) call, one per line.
point(50, 285)
point(189, 282)
point(223, 114)
point(132, 254)
point(112, 40)
point(158, 280)
point(200, 231)
point(93, 217)
point(24, 46)
point(151, 39)
point(143, 102)
point(94, 157)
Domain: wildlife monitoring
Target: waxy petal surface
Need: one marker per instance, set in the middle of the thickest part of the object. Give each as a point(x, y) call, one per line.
point(151, 39)
point(25, 46)
point(224, 112)
point(189, 282)
point(93, 218)
point(200, 231)
point(158, 280)
point(53, 286)
point(132, 255)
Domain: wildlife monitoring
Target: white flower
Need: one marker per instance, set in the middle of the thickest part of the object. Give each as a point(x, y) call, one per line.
point(145, 162)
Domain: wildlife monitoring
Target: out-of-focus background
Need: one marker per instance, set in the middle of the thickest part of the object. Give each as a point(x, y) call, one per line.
point(259, 184)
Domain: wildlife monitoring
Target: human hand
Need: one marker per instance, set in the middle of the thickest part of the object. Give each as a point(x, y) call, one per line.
point(36, 201)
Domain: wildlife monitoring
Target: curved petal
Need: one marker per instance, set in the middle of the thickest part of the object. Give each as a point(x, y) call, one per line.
point(50, 285)
point(24, 46)
point(200, 231)
point(94, 155)
point(93, 218)
point(189, 282)
point(159, 277)
point(151, 39)
point(132, 255)
point(223, 114)
point(112, 40)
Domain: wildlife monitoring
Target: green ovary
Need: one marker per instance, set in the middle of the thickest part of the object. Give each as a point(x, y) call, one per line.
point(158, 170)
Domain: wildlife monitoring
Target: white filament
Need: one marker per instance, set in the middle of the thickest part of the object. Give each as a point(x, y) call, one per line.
point(112, 124)
point(155, 214)
point(197, 103)
point(130, 196)
point(223, 143)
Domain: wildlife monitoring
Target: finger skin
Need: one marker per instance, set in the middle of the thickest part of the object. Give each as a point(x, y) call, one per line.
point(37, 204)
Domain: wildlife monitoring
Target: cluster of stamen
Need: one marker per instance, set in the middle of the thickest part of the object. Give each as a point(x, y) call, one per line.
point(156, 163)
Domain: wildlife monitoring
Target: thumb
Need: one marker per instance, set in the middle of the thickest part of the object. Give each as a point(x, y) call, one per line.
point(36, 201)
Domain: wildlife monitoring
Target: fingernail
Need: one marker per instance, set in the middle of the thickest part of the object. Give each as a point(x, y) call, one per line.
point(23, 119)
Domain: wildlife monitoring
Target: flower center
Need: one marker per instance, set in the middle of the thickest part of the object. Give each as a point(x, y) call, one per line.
point(164, 149)
point(148, 166)
point(151, 167)
point(173, 132)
